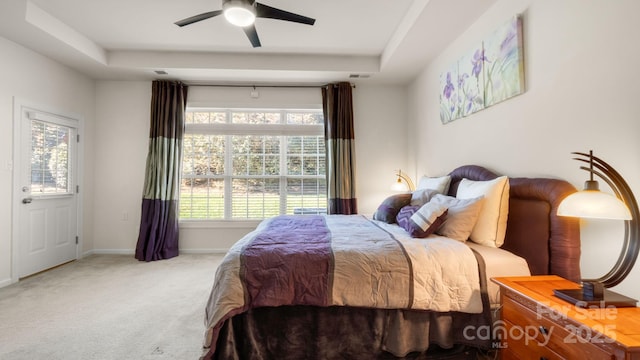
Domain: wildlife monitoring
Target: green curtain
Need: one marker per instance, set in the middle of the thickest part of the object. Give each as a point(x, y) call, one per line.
point(158, 237)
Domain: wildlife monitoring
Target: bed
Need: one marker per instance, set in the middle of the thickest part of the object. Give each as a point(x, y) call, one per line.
point(338, 287)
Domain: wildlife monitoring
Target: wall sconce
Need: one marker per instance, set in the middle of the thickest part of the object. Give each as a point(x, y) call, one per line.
point(592, 203)
point(403, 183)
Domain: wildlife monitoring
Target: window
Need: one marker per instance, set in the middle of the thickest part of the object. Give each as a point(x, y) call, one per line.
point(252, 164)
point(50, 158)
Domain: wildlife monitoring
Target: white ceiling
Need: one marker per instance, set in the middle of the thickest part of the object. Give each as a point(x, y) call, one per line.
point(389, 41)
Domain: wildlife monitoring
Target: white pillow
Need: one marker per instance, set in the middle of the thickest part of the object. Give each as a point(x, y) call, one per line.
point(422, 196)
point(462, 216)
point(492, 222)
point(439, 184)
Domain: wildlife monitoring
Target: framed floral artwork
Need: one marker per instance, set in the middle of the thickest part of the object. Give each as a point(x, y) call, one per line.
point(487, 75)
point(449, 100)
point(504, 63)
point(471, 81)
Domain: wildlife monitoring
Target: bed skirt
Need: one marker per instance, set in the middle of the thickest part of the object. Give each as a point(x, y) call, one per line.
point(349, 333)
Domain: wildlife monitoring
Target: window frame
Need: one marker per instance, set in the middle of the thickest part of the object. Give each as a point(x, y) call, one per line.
point(228, 130)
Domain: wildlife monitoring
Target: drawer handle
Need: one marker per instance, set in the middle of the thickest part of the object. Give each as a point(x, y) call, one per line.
point(543, 331)
point(543, 358)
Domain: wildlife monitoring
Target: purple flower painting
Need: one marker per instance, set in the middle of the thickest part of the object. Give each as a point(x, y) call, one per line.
point(504, 65)
point(449, 97)
point(471, 84)
point(489, 74)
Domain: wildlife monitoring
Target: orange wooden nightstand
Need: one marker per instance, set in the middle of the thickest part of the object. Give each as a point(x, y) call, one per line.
point(537, 325)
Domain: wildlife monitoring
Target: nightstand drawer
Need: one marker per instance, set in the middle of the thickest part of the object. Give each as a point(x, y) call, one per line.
point(526, 348)
point(532, 331)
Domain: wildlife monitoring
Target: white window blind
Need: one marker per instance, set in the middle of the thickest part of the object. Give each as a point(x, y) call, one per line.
point(252, 164)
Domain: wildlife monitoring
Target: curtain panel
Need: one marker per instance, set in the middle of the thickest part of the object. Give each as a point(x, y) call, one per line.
point(158, 237)
point(337, 106)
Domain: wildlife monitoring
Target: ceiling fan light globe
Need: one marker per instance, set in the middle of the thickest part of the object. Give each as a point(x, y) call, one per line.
point(240, 15)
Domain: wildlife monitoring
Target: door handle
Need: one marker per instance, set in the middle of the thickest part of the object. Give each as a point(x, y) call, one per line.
point(27, 200)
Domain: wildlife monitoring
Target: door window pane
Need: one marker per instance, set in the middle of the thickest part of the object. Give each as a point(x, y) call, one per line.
point(49, 158)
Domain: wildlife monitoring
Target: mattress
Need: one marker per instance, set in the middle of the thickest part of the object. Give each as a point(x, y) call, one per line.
point(498, 263)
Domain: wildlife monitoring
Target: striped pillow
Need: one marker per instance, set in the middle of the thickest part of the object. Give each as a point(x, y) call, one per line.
point(428, 214)
point(406, 215)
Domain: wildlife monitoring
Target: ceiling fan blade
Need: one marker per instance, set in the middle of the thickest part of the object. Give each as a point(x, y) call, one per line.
point(252, 34)
point(265, 11)
point(199, 17)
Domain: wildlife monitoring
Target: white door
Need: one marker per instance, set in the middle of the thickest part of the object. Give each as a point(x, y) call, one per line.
point(47, 193)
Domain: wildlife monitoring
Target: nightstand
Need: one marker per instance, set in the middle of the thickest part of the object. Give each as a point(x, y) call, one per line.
point(537, 325)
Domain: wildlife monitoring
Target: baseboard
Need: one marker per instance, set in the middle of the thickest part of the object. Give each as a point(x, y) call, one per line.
point(86, 253)
point(5, 282)
point(132, 252)
point(110, 252)
point(204, 251)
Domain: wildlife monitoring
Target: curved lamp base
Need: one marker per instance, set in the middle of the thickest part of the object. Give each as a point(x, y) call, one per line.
point(631, 244)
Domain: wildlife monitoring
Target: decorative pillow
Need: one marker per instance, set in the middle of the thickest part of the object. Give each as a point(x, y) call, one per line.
point(404, 218)
point(389, 208)
point(426, 218)
point(461, 217)
point(405, 221)
point(492, 222)
point(422, 196)
point(439, 184)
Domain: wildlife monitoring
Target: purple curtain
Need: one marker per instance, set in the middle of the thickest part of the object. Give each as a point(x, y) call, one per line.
point(158, 237)
point(337, 106)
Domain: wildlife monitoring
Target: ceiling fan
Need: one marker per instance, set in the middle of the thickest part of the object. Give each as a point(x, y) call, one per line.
point(242, 13)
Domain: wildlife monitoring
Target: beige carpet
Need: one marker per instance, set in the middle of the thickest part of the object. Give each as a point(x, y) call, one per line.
point(109, 307)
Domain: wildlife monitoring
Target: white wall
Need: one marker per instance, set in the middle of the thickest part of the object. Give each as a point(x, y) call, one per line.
point(122, 122)
point(122, 128)
point(31, 77)
point(581, 75)
point(380, 114)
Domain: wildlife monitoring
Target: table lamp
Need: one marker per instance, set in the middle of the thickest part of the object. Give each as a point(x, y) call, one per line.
point(403, 183)
point(592, 203)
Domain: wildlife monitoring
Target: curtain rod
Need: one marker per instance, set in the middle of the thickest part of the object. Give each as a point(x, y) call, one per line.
point(264, 86)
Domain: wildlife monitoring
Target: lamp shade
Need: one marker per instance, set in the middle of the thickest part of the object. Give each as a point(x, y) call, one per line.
point(399, 186)
point(594, 204)
point(239, 13)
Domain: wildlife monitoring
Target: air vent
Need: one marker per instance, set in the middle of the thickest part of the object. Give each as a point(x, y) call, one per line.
point(359, 76)
point(161, 72)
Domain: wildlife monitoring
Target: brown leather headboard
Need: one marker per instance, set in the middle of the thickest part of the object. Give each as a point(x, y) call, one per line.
point(549, 243)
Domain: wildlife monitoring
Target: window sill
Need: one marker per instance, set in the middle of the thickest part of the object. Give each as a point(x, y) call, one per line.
point(218, 224)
